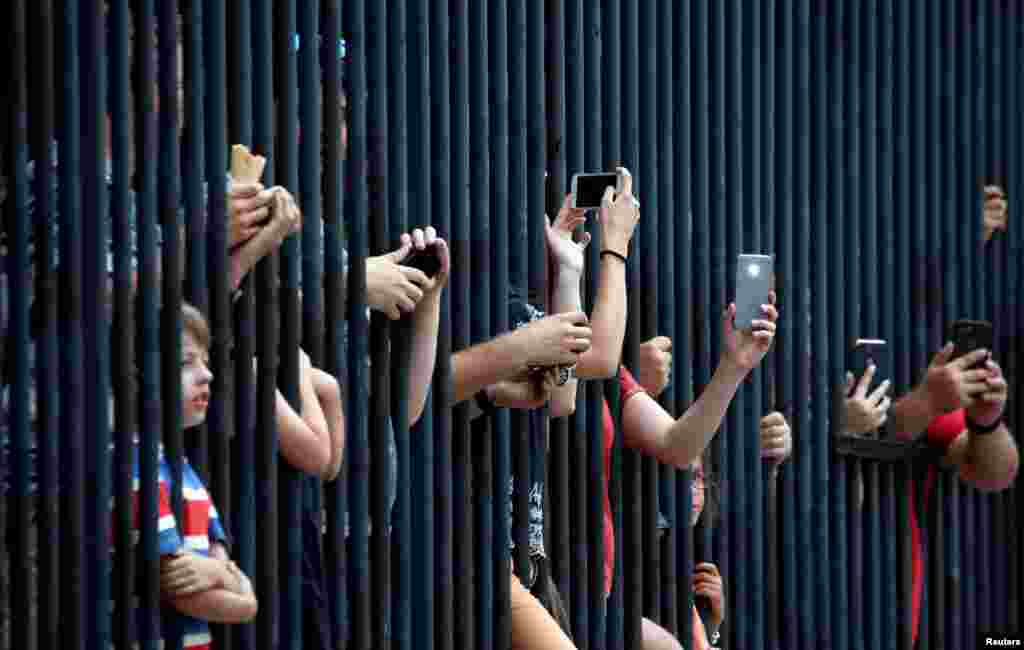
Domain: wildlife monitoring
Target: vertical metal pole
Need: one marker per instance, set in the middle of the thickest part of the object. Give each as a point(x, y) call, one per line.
point(463, 567)
point(208, 124)
point(423, 521)
point(48, 436)
point(786, 286)
point(96, 326)
point(481, 233)
point(268, 331)
point(397, 170)
point(123, 344)
point(333, 354)
point(240, 131)
point(632, 487)
point(498, 77)
point(72, 453)
point(18, 565)
point(439, 577)
point(378, 170)
point(668, 283)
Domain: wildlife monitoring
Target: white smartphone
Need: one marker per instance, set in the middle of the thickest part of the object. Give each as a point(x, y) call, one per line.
point(588, 189)
point(753, 284)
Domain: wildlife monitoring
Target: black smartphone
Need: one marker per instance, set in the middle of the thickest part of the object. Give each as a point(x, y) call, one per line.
point(588, 189)
point(425, 260)
point(753, 284)
point(969, 335)
point(868, 352)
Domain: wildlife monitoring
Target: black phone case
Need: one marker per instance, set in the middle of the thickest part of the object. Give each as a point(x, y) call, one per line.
point(969, 335)
point(752, 291)
point(858, 358)
point(425, 260)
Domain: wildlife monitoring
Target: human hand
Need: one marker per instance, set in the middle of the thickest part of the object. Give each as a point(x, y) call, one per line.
point(745, 349)
point(427, 238)
point(531, 392)
point(707, 582)
point(994, 210)
point(566, 252)
point(863, 413)
point(949, 385)
point(555, 340)
point(392, 288)
point(618, 216)
point(188, 573)
point(988, 406)
point(249, 206)
point(776, 437)
point(655, 364)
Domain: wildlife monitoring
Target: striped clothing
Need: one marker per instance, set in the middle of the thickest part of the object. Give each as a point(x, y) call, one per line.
point(199, 527)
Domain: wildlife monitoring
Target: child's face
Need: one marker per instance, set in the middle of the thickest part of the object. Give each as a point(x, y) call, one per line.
point(697, 488)
point(195, 382)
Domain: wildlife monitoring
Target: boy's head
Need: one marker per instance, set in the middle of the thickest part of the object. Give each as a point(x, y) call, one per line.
point(195, 372)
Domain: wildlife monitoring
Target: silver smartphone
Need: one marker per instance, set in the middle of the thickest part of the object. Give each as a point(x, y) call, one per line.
point(753, 284)
point(588, 189)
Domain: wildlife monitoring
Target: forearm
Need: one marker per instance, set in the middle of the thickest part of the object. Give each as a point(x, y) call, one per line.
point(691, 433)
point(424, 353)
point(484, 364)
point(329, 393)
point(992, 460)
point(305, 448)
point(607, 322)
point(911, 414)
point(565, 298)
point(219, 605)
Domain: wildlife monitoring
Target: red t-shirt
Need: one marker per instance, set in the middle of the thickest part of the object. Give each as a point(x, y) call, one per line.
point(942, 431)
point(628, 387)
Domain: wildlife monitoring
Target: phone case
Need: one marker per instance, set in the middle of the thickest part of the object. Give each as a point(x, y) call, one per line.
point(858, 358)
point(969, 335)
point(425, 260)
point(588, 189)
point(753, 284)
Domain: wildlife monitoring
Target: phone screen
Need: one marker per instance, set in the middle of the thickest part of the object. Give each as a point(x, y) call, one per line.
point(753, 284)
point(589, 188)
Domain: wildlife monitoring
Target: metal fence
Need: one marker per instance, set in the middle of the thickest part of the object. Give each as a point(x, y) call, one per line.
point(849, 139)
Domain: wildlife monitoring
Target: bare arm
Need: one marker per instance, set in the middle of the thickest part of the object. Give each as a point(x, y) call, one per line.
point(425, 325)
point(566, 298)
point(608, 320)
point(232, 601)
point(328, 391)
point(305, 441)
point(678, 442)
point(991, 460)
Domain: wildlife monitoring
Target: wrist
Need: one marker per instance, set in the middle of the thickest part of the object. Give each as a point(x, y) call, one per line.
point(730, 371)
point(921, 401)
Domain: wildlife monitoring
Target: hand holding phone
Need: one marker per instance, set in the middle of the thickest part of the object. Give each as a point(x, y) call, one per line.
point(425, 260)
point(864, 353)
point(970, 335)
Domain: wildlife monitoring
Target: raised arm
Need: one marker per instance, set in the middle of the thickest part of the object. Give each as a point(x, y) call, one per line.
point(679, 442)
point(304, 440)
point(618, 217)
point(991, 460)
point(425, 324)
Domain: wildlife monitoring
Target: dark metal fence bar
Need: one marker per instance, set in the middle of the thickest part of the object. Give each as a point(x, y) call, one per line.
point(285, 128)
point(268, 582)
point(72, 454)
point(463, 567)
point(125, 413)
point(436, 575)
point(48, 438)
point(500, 219)
point(420, 538)
point(95, 202)
point(18, 567)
